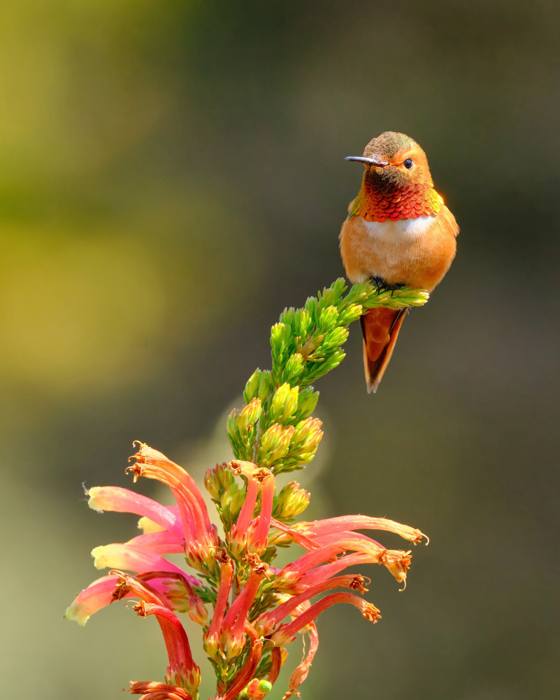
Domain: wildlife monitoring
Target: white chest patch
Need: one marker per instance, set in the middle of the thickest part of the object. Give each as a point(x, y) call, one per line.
point(398, 231)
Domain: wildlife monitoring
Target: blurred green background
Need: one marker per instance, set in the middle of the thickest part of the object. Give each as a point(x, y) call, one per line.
point(171, 176)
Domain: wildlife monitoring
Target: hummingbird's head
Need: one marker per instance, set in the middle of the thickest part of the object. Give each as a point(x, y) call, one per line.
point(393, 161)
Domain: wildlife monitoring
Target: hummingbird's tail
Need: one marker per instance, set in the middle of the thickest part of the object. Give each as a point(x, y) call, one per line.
point(380, 328)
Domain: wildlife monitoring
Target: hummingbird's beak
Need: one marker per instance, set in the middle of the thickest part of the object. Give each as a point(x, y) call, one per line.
point(368, 161)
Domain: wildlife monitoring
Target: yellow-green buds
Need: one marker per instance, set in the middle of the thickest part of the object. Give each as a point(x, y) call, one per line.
point(274, 444)
point(307, 402)
point(280, 338)
point(218, 480)
point(225, 492)
point(284, 404)
point(242, 426)
point(248, 416)
point(304, 444)
point(350, 314)
point(259, 385)
point(293, 368)
point(328, 318)
point(284, 448)
point(290, 502)
point(338, 336)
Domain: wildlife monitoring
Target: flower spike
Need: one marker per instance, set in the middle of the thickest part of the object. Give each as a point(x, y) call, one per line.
point(249, 607)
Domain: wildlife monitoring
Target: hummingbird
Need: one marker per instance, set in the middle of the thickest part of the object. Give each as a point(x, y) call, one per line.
point(398, 232)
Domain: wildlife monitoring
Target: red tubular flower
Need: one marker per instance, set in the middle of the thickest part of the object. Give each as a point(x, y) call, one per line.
point(182, 670)
point(269, 620)
point(248, 532)
point(119, 500)
point(233, 633)
point(212, 636)
point(238, 534)
point(324, 572)
point(167, 579)
point(289, 576)
point(349, 523)
point(288, 631)
point(126, 556)
point(154, 587)
point(161, 542)
point(262, 526)
point(333, 545)
point(200, 534)
point(95, 597)
point(257, 609)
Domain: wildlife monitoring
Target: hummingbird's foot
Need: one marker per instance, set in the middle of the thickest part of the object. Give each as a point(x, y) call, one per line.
point(382, 286)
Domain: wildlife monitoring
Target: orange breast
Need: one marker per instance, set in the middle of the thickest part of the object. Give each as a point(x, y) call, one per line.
point(415, 252)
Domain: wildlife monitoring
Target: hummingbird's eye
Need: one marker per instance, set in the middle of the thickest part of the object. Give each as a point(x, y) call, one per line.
point(408, 163)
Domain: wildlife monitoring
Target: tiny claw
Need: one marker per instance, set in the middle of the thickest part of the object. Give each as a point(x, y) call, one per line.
point(379, 283)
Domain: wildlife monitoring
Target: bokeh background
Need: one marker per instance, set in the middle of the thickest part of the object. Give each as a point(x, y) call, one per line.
point(171, 176)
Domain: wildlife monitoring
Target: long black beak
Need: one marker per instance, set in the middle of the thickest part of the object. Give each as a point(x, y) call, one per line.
point(369, 161)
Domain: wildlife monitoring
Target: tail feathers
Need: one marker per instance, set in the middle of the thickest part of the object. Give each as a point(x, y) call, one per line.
point(380, 329)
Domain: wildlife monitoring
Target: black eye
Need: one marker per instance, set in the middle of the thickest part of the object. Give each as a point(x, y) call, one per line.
point(408, 163)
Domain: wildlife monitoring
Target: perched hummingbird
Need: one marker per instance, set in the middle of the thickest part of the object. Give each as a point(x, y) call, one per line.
point(398, 232)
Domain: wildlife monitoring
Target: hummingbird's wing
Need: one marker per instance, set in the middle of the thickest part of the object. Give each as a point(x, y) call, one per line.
point(449, 222)
point(380, 330)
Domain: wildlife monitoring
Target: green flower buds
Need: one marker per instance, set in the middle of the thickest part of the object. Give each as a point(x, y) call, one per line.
point(338, 336)
point(294, 368)
point(276, 429)
point(290, 502)
point(225, 492)
point(328, 318)
point(304, 444)
point(307, 402)
point(218, 480)
point(280, 337)
point(242, 428)
point(284, 403)
point(249, 415)
point(259, 385)
point(350, 314)
point(274, 444)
